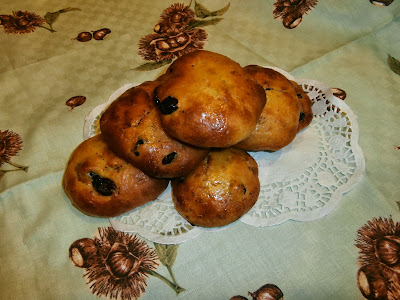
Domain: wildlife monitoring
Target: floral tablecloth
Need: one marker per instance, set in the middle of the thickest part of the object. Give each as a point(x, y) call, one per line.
point(61, 61)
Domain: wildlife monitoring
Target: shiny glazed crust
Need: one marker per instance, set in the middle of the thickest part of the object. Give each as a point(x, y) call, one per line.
point(217, 104)
point(220, 190)
point(305, 103)
point(132, 128)
point(101, 184)
point(279, 120)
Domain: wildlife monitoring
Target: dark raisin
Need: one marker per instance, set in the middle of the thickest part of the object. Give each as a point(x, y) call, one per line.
point(104, 186)
point(299, 96)
point(138, 143)
point(181, 179)
point(169, 158)
point(156, 99)
point(168, 105)
point(244, 189)
point(302, 115)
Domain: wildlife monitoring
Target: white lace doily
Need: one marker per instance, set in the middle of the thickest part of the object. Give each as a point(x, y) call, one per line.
point(303, 181)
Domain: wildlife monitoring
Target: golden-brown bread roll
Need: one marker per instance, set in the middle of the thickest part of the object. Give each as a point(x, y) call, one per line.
point(279, 120)
point(101, 184)
point(208, 100)
point(305, 104)
point(220, 190)
point(131, 126)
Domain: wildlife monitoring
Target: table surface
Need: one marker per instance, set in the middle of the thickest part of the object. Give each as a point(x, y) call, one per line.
point(350, 253)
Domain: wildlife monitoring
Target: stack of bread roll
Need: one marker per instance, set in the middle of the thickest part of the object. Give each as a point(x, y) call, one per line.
point(191, 128)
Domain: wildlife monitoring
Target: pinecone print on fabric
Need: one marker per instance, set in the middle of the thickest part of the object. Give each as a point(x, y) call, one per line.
point(379, 257)
point(381, 3)
point(172, 38)
point(291, 11)
point(21, 22)
point(10, 145)
point(177, 33)
point(268, 291)
point(174, 19)
point(118, 264)
point(159, 47)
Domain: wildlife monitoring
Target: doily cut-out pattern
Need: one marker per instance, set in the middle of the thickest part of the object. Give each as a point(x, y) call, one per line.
point(303, 181)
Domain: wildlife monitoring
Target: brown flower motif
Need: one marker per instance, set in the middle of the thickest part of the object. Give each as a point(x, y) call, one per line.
point(10, 145)
point(117, 264)
point(159, 47)
point(75, 101)
point(291, 11)
point(120, 271)
point(371, 233)
point(177, 33)
point(341, 94)
point(20, 22)
point(381, 3)
point(174, 19)
point(379, 258)
point(4, 19)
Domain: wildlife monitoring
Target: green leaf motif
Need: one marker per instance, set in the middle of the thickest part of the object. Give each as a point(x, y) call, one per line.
point(51, 17)
point(202, 23)
point(201, 11)
point(153, 65)
point(166, 253)
point(393, 64)
point(64, 10)
point(221, 11)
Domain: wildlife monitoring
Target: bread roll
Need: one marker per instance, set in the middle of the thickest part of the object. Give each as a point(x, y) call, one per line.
point(131, 126)
point(279, 120)
point(220, 190)
point(208, 100)
point(101, 184)
point(305, 104)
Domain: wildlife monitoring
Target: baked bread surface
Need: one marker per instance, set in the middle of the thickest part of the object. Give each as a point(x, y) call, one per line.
point(305, 104)
point(131, 126)
point(101, 184)
point(279, 120)
point(208, 100)
point(220, 190)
